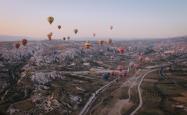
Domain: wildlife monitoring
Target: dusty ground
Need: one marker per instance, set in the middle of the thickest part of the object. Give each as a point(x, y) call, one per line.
point(123, 104)
point(120, 100)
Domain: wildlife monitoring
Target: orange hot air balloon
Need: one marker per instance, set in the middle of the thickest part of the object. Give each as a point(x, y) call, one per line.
point(59, 27)
point(87, 45)
point(50, 36)
point(24, 42)
point(50, 19)
point(17, 45)
point(75, 31)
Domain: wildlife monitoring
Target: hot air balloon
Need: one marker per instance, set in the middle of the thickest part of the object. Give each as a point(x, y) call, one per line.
point(64, 38)
point(68, 38)
point(50, 35)
point(110, 41)
point(121, 50)
point(17, 45)
point(75, 31)
point(111, 27)
point(94, 34)
point(87, 45)
point(50, 19)
point(24, 42)
point(100, 42)
point(59, 27)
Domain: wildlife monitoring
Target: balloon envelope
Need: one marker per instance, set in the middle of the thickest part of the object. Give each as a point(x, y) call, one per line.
point(87, 45)
point(50, 36)
point(59, 27)
point(101, 42)
point(75, 31)
point(50, 19)
point(110, 41)
point(121, 50)
point(17, 45)
point(111, 27)
point(24, 42)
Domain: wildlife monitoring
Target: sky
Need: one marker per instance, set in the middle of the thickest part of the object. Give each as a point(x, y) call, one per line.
point(131, 18)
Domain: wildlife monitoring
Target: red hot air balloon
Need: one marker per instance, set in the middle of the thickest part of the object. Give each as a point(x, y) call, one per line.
point(121, 50)
point(24, 42)
point(17, 45)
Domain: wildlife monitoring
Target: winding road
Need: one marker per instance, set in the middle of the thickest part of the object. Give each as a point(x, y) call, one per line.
point(139, 92)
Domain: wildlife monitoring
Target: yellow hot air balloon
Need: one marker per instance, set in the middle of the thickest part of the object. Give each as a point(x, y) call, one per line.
point(50, 19)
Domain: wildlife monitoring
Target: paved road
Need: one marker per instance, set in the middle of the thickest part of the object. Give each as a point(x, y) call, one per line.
point(94, 96)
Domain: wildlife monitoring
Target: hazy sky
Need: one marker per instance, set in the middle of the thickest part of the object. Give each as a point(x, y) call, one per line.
point(130, 18)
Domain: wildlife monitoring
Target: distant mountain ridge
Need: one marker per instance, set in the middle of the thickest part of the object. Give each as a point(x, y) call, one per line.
point(14, 38)
point(17, 38)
